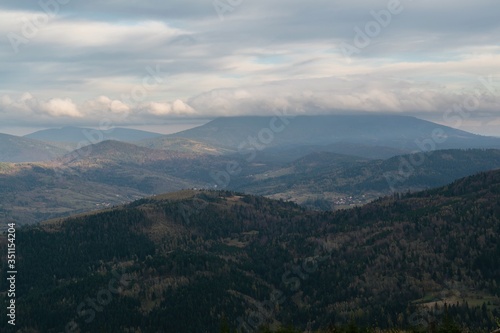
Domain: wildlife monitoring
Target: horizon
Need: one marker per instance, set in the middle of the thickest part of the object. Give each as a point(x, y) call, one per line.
point(179, 125)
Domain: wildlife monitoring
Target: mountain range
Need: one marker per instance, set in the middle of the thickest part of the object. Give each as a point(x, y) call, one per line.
point(280, 137)
point(321, 179)
point(406, 261)
point(16, 149)
point(46, 145)
point(319, 222)
point(402, 133)
point(112, 172)
point(88, 135)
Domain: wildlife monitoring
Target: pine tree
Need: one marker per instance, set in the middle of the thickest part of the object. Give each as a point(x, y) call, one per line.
point(448, 325)
point(224, 326)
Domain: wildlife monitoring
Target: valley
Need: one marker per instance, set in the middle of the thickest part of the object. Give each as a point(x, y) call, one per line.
point(315, 173)
point(112, 173)
point(316, 236)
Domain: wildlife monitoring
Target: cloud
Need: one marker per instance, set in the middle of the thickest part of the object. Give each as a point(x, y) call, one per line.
point(60, 108)
point(90, 112)
point(330, 95)
point(177, 108)
point(28, 105)
point(265, 55)
point(104, 103)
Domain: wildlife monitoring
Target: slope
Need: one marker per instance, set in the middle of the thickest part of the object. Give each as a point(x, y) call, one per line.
point(383, 131)
point(322, 179)
point(182, 145)
point(96, 176)
point(394, 262)
point(17, 149)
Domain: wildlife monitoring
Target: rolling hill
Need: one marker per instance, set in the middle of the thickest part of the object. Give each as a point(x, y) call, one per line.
point(182, 145)
point(96, 176)
point(113, 172)
point(406, 261)
point(18, 149)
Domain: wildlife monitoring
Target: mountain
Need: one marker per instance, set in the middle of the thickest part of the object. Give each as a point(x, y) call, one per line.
point(117, 152)
point(281, 155)
point(405, 261)
point(324, 180)
point(18, 149)
point(90, 136)
point(182, 145)
point(406, 134)
point(112, 172)
point(127, 164)
point(96, 176)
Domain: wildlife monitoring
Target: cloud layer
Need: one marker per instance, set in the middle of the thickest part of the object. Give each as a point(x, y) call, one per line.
point(75, 62)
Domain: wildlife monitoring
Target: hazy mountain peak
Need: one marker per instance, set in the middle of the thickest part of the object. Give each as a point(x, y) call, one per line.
point(404, 133)
point(20, 149)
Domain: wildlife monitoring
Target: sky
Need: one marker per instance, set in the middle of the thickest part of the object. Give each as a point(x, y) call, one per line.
point(150, 64)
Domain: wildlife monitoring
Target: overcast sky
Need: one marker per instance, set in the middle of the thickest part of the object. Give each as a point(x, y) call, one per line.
point(141, 63)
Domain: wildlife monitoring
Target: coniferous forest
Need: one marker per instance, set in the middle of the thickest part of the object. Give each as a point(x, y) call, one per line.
point(204, 261)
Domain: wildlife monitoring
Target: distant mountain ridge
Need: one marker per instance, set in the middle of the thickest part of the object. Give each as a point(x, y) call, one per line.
point(368, 136)
point(390, 131)
point(18, 149)
point(72, 134)
point(181, 145)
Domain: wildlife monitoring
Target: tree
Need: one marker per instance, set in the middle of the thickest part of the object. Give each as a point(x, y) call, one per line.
point(448, 325)
point(224, 326)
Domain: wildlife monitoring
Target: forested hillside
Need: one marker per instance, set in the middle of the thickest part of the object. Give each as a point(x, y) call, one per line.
point(185, 262)
point(112, 173)
point(321, 179)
